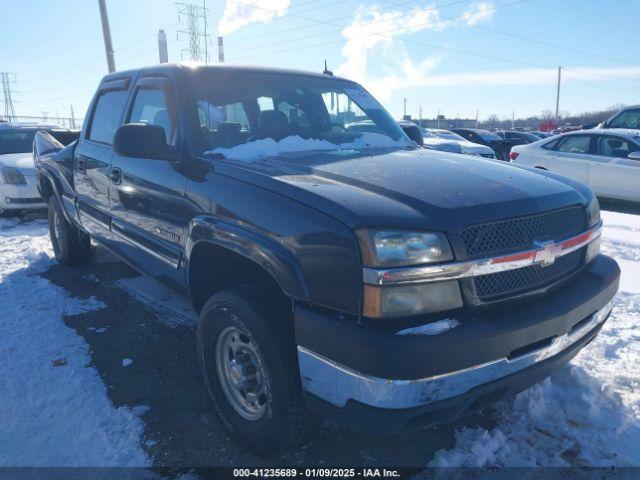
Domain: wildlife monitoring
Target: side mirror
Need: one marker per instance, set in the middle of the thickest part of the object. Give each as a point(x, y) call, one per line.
point(140, 140)
point(634, 155)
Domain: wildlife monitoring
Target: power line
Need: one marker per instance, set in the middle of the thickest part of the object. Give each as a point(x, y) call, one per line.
point(341, 27)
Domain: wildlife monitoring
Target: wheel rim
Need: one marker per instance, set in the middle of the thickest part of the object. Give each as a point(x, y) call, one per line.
point(241, 373)
point(57, 228)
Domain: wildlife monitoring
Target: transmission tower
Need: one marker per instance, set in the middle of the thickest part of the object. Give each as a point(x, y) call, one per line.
point(196, 31)
point(9, 109)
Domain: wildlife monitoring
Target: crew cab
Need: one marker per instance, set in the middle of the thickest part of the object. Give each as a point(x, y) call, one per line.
point(336, 273)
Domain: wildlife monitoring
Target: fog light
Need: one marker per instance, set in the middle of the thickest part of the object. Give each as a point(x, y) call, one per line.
point(406, 300)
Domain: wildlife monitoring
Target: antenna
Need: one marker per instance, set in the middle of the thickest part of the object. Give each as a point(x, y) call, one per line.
point(326, 70)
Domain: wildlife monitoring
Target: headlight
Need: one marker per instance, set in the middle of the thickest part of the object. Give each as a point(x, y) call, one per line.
point(13, 176)
point(386, 248)
point(593, 209)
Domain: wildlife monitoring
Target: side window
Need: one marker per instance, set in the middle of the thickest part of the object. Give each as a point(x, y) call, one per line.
point(575, 144)
point(150, 107)
point(626, 119)
point(614, 147)
point(552, 145)
point(107, 115)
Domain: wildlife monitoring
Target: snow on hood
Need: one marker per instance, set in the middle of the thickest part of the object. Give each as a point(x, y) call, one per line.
point(268, 147)
point(21, 161)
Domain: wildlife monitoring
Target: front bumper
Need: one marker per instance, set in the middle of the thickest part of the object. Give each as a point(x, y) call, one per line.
point(21, 197)
point(377, 381)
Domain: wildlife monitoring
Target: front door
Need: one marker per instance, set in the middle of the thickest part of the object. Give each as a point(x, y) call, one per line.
point(571, 156)
point(92, 161)
point(149, 209)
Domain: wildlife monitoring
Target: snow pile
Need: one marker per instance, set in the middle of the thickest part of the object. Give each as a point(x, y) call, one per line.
point(587, 414)
point(54, 408)
point(268, 147)
point(433, 328)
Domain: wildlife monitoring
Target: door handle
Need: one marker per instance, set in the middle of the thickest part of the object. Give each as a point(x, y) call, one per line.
point(115, 176)
point(80, 164)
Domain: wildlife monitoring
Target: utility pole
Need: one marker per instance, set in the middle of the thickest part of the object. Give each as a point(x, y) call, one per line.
point(196, 20)
point(73, 117)
point(404, 116)
point(420, 115)
point(513, 120)
point(162, 47)
point(438, 118)
point(558, 93)
point(106, 34)
point(220, 50)
point(477, 118)
point(9, 109)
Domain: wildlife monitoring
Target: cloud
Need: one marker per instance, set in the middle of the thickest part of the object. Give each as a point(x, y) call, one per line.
point(237, 15)
point(373, 31)
point(479, 12)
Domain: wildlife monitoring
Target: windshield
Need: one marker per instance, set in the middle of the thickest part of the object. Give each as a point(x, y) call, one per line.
point(16, 141)
point(249, 116)
point(450, 136)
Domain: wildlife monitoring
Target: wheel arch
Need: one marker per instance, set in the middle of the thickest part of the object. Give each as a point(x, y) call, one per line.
point(237, 256)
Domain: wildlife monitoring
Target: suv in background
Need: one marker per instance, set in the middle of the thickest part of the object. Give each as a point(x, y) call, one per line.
point(628, 117)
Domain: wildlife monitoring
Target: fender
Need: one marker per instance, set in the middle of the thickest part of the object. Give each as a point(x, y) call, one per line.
point(57, 192)
point(265, 252)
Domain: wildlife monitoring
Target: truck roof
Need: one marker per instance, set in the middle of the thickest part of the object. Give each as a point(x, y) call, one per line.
point(172, 68)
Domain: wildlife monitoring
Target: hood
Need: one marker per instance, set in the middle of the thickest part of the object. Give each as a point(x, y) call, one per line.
point(21, 161)
point(417, 188)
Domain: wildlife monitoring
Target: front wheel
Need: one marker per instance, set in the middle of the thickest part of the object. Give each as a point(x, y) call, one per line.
point(249, 363)
point(71, 246)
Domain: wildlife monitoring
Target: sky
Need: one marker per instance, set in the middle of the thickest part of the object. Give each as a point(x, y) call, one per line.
point(454, 57)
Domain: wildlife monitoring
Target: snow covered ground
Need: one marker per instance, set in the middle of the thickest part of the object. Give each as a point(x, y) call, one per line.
point(54, 407)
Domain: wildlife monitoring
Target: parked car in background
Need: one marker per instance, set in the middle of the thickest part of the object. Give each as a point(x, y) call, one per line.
point(542, 134)
point(18, 186)
point(466, 147)
point(516, 137)
point(628, 117)
point(318, 258)
point(412, 131)
point(608, 160)
point(485, 137)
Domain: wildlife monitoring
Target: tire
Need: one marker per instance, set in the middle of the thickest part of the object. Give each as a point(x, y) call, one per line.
point(283, 422)
point(71, 246)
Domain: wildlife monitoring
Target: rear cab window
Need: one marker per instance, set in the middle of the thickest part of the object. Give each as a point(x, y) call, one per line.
point(107, 115)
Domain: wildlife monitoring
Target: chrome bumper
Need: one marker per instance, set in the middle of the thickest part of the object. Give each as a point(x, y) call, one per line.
point(338, 384)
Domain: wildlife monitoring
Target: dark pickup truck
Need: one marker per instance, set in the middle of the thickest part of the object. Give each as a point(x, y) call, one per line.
point(337, 273)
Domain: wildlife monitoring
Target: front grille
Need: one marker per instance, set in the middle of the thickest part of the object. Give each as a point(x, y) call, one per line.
point(512, 282)
point(519, 234)
point(516, 235)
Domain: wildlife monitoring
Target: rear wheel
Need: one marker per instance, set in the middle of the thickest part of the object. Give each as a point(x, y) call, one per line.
point(71, 246)
point(248, 358)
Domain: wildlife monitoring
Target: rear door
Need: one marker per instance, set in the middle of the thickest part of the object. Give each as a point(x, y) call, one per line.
point(92, 159)
point(615, 175)
point(149, 209)
point(572, 156)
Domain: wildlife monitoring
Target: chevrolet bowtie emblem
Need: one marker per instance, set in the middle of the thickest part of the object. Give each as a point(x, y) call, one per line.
point(547, 252)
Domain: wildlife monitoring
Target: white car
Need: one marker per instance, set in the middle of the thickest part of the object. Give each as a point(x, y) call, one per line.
point(467, 147)
point(18, 185)
point(608, 160)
